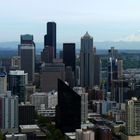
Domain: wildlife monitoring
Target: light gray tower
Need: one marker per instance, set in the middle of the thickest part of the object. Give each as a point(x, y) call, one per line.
point(9, 113)
point(86, 61)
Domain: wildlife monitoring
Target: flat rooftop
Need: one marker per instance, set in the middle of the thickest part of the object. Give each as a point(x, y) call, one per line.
point(29, 126)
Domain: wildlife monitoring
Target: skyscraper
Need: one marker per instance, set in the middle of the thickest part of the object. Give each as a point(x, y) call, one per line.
point(120, 68)
point(26, 114)
point(47, 54)
point(50, 37)
point(112, 67)
point(3, 81)
point(68, 110)
point(69, 55)
point(69, 61)
point(133, 115)
point(49, 75)
point(84, 103)
point(86, 61)
point(97, 65)
point(9, 113)
point(26, 51)
point(17, 82)
point(39, 98)
point(113, 53)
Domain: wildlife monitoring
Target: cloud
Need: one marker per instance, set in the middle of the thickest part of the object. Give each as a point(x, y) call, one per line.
point(133, 37)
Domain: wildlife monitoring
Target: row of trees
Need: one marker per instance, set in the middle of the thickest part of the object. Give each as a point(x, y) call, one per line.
point(52, 133)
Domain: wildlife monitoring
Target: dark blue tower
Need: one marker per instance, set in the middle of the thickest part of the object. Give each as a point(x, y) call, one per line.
point(50, 37)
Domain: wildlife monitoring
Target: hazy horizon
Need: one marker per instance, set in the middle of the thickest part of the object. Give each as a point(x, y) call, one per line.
point(121, 45)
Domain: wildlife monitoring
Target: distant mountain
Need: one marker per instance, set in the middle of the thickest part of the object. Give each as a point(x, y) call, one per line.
point(120, 45)
point(14, 45)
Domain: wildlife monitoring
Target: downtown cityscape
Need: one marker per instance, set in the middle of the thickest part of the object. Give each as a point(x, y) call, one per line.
point(76, 79)
point(69, 94)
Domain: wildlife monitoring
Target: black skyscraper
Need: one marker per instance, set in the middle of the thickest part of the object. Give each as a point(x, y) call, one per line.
point(68, 110)
point(69, 55)
point(50, 37)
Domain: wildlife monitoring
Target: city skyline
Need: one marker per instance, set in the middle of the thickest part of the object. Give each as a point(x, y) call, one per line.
point(105, 20)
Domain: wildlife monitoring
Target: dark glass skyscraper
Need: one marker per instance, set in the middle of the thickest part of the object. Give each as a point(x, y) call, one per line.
point(68, 110)
point(69, 55)
point(50, 37)
point(17, 82)
point(26, 114)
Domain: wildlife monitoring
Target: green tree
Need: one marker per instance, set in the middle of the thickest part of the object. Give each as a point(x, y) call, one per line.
point(1, 136)
point(57, 135)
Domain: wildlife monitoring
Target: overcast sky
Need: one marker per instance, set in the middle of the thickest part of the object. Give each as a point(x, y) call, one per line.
point(105, 20)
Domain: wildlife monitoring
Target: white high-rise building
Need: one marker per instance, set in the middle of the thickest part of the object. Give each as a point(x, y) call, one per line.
point(9, 111)
point(86, 61)
point(39, 98)
point(133, 115)
point(52, 99)
point(47, 100)
point(84, 107)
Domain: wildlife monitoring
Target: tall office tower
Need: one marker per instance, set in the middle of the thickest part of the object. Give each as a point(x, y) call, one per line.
point(112, 72)
point(49, 75)
point(69, 55)
point(47, 55)
point(118, 84)
point(26, 51)
point(50, 37)
point(17, 83)
point(97, 70)
point(26, 39)
point(112, 53)
point(9, 113)
point(112, 66)
point(26, 114)
point(133, 115)
point(3, 81)
point(85, 134)
point(39, 98)
point(68, 110)
point(30, 89)
point(115, 82)
point(86, 61)
point(120, 68)
point(77, 75)
point(69, 61)
point(15, 63)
